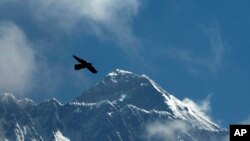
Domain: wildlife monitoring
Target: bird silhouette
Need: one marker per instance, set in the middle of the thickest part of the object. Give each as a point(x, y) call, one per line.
point(84, 64)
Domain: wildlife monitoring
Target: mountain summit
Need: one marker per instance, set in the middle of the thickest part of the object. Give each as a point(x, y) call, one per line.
point(123, 106)
point(123, 88)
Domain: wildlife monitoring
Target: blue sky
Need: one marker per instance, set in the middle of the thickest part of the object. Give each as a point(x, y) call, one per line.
point(193, 49)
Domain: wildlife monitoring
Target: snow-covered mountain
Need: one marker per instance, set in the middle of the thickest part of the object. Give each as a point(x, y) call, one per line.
point(123, 107)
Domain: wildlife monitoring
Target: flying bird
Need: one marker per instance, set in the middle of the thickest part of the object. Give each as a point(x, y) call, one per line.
point(84, 64)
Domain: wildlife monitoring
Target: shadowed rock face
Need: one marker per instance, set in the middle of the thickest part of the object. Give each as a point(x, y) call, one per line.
point(125, 88)
point(121, 107)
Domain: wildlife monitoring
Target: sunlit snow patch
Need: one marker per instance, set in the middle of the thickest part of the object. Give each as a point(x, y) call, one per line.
point(59, 136)
point(122, 97)
point(118, 71)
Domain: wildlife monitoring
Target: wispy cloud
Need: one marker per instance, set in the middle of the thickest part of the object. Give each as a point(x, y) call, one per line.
point(166, 131)
point(173, 130)
point(178, 129)
point(17, 59)
point(70, 12)
point(193, 61)
point(217, 48)
point(203, 107)
point(106, 19)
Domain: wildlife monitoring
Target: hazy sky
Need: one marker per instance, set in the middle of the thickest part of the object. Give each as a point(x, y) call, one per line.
point(194, 49)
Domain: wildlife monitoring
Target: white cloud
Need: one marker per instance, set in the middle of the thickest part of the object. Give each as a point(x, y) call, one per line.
point(103, 11)
point(203, 107)
point(167, 131)
point(17, 59)
point(108, 20)
point(174, 130)
point(104, 18)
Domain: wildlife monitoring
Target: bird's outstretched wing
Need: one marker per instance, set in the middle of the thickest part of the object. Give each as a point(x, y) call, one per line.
point(84, 64)
point(92, 69)
point(80, 60)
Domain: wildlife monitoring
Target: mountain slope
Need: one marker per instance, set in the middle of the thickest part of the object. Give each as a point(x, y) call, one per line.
point(123, 88)
point(123, 107)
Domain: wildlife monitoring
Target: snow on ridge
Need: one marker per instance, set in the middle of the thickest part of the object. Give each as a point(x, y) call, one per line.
point(54, 100)
point(119, 71)
point(60, 137)
point(146, 111)
point(202, 117)
point(19, 133)
point(135, 107)
point(25, 102)
point(112, 74)
point(179, 108)
point(186, 112)
point(5, 97)
point(116, 73)
point(9, 98)
point(122, 97)
point(103, 102)
point(82, 104)
point(155, 85)
point(123, 71)
point(114, 81)
point(182, 110)
point(97, 105)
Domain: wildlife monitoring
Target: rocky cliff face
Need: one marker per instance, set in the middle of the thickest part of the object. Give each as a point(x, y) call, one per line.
point(123, 107)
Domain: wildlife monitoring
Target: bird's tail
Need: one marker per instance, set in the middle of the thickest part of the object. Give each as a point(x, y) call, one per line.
point(78, 66)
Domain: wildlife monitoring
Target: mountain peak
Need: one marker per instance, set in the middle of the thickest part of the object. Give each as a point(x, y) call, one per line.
point(51, 103)
point(124, 88)
point(8, 98)
point(119, 107)
point(121, 84)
